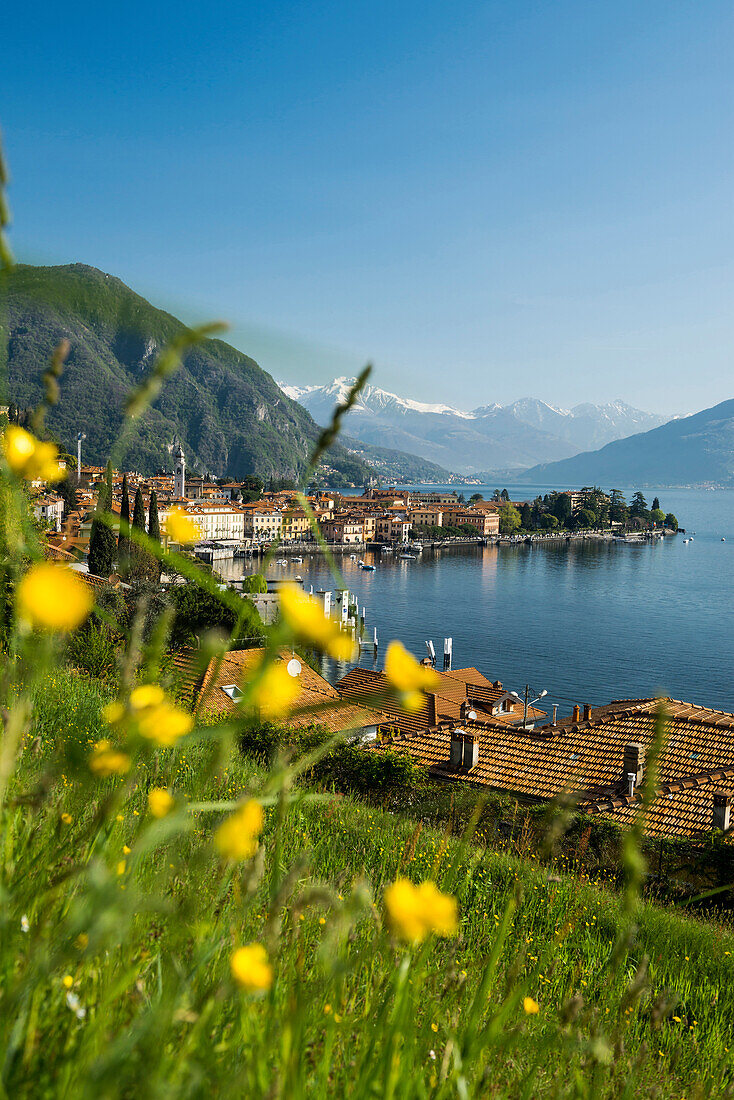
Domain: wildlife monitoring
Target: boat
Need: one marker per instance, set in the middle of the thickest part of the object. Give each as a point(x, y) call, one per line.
point(723, 539)
point(352, 557)
point(417, 546)
point(296, 561)
point(367, 568)
point(410, 557)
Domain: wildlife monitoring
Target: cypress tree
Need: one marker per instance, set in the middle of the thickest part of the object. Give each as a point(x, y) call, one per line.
point(139, 560)
point(102, 539)
point(154, 527)
point(123, 540)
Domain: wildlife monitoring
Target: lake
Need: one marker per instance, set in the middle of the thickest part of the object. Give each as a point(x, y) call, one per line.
point(588, 622)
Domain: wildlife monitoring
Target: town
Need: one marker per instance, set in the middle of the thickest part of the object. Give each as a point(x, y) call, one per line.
point(243, 517)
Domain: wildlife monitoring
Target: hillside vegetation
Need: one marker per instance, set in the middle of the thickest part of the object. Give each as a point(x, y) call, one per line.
point(121, 986)
point(231, 417)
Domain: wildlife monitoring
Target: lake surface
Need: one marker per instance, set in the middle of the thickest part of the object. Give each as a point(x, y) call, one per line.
point(589, 622)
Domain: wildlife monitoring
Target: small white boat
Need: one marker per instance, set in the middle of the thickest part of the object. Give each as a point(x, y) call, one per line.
point(352, 557)
point(367, 568)
point(686, 541)
point(282, 561)
point(723, 539)
point(296, 561)
point(409, 557)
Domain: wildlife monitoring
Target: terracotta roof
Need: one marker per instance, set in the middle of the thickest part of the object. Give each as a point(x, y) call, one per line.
point(585, 758)
point(465, 685)
point(682, 808)
point(317, 705)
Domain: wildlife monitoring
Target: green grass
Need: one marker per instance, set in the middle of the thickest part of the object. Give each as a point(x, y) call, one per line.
point(351, 1011)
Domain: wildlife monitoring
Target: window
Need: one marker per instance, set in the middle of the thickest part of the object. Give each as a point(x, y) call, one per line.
point(233, 691)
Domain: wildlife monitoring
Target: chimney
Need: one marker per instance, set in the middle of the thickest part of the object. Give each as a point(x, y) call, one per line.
point(471, 751)
point(498, 685)
point(576, 716)
point(632, 766)
point(722, 808)
point(555, 713)
point(587, 712)
point(457, 748)
point(432, 710)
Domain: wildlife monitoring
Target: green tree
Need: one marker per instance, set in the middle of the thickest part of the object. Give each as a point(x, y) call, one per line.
point(526, 516)
point(655, 504)
point(504, 495)
point(255, 583)
point(154, 525)
point(141, 565)
point(671, 521)
point(585, 518)
point(509, 519)
point(638, 506)
point(618, 510)
point(475, 497)
point(66, 489)
point(154, 533)
point(102, 541)
point(549, 521)
point(657, 515)
point(560, 506)
point(196, 612)
point(123, 539)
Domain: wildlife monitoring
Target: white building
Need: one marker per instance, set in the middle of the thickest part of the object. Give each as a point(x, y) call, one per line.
point(49, 510)
point(218, 522)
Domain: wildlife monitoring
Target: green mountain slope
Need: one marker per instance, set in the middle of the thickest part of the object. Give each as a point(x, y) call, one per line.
point(230, 415)
point(695, 450)
point(395, 465)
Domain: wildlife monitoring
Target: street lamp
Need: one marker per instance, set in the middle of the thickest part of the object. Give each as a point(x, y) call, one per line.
point(529, 702)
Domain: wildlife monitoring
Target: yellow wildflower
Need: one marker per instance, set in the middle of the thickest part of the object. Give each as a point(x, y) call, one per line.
point(276, 691)
point(121, 867)
point(408, 677)
point(106, 760)
point(530, 1006)
point(414, 911)
point(30, 458)
point(306, 620)
point(68, 981)
point(52, 597)
point(160, 802)
point(181, 527)
point(236, 837)
point(156, 717)
point(251, 969)
point(67, 819)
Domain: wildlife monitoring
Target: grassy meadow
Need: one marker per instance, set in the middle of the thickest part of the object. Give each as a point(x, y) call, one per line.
point(117, 930)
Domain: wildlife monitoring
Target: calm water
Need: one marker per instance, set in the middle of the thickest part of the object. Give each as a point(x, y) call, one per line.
point(588, 622)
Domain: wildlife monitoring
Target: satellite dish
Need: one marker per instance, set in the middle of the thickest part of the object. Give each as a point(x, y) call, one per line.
point(473, 715)
point(294, 667)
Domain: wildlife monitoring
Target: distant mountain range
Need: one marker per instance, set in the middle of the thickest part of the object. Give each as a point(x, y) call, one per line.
point(695, 450)
point(491, 438)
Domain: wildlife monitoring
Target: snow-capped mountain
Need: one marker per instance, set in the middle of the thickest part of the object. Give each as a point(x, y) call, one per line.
point(490, 437)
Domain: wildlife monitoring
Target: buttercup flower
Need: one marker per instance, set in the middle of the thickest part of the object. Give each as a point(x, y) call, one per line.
point(160, 802)
point(530, 1006)
point(236, 838)
point(106, 760)
point(156, 717)
point(251, 969)
point(181, 527)
point(276, 691)
point(52, 597)
point(308, 623)
point(408, 677)
point(30, 458)
point(414, 911)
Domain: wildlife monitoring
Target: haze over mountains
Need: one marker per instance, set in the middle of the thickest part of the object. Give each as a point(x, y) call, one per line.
point(695, 450)
point(491, 438)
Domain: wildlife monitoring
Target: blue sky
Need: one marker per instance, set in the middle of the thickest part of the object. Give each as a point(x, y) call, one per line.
point(488, 200)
